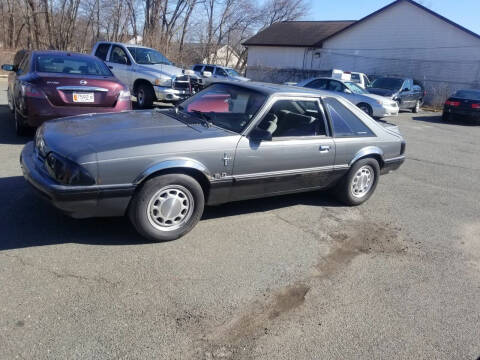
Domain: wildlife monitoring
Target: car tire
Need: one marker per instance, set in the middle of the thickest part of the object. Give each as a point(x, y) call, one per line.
point(366, 108)
point(446, 117)
point(167, 207)
point(20, 128)
point(359, 183)
point(145, 96)
point(416, 108)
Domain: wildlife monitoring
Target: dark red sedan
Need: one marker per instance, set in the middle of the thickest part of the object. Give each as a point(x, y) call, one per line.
point(53, 84)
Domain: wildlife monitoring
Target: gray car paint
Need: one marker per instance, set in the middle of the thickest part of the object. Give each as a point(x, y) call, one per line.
point(122, 149)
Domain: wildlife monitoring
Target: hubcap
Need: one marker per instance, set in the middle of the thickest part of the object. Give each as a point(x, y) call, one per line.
point(170, 208)
point(140, 97)
point(362, 181)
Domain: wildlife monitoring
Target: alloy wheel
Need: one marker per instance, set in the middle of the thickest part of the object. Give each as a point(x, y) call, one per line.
point(362, 181)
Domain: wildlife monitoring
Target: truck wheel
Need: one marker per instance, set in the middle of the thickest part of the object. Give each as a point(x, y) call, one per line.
point(359, 183)
point(416, 108)
point(145, 96)
point(167, 207)
point(366, 108)
point(20, 128)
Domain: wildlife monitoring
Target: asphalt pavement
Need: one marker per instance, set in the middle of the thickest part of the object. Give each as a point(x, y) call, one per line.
point(291, 277)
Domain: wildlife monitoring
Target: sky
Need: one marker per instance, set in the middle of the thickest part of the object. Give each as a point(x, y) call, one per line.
point(464, 12)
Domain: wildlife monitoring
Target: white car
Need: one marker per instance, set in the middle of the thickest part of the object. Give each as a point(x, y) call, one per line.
point(374, 105)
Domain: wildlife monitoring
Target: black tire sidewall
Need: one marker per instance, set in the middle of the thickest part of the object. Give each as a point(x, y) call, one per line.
point(343, 191)
point(369, 111)
point(147, 96)
point(138, 207)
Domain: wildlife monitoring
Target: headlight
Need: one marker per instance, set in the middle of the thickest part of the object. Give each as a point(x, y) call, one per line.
point(40, 142)
point(163, 81)
point(124, 94)
point(67, 172)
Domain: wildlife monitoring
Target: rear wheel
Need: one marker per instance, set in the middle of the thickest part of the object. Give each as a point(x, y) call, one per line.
point(167, 207)
point(145, 96)
point(20, 128)
point(359, 183)
point(446, 117)
point(366, 108)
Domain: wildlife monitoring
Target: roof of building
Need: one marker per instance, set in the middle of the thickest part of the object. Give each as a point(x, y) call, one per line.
point(297, 33)
point(314, 33)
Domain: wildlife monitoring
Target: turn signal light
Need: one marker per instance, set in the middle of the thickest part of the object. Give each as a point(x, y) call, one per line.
point(452, 103)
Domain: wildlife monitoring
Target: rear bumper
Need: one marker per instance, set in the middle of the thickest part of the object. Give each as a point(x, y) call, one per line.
point(467, 115)
point(40, 110)
point(75, 201)
point(392, 164)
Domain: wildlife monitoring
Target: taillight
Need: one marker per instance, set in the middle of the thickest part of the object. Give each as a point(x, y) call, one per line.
point(452, 103)
point(475, 106)
point(31, 91)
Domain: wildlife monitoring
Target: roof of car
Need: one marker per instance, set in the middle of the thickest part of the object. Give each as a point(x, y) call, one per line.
point(124, 44)
point(61, 53)
point(271, 89)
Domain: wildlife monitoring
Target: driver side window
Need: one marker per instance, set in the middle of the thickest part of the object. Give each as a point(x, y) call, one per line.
point(119, 56)
point(294, 118)
point(335, 86)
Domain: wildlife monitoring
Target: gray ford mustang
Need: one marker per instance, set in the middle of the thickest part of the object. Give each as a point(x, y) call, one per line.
point(229, 142)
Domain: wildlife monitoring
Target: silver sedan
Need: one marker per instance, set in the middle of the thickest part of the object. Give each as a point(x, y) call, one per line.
point(374, 105)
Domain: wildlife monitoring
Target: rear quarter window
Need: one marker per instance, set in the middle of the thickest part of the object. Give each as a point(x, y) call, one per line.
point(344, 122)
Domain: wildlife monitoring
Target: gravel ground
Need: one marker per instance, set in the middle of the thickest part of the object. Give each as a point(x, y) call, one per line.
point(292, 277)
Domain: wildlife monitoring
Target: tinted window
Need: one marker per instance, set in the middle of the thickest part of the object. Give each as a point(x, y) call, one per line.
point(319, 84)
point(74, 65)
point(468, 94)
point(335, 86)
point(102, 51)
point(344, 122)
point(294, 118)
point(209, 68)
point(227, 106)
point(24, 65)
point(387, 83)
point(148, 56)
point(220, 72)
point(198, 68)
point(119, 56)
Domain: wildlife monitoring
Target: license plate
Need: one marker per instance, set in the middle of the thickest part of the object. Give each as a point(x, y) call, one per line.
point(83, 97)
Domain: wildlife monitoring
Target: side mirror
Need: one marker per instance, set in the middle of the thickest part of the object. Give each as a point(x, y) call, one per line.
point(8, 67)
point(405, 90)
point(258, 134)
point(207, 73)
point(347, 91)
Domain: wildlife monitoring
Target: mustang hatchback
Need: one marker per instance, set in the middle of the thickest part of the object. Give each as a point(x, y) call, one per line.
point(231, 141)
point(53, 84)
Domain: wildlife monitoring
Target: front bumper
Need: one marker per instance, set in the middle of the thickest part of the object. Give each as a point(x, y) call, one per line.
point(75, 201)
point(385, 110)
point(170, 94)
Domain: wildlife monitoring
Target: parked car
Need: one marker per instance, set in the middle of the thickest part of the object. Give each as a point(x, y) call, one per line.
point(409, 94)
point(463, 104)
point(374, 105)
point(358, 78)
point(248, 140)
point(214, 73)
point(52, 84)
point(149, 75)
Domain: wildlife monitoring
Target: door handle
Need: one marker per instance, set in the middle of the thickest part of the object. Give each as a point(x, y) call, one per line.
point(324, 148)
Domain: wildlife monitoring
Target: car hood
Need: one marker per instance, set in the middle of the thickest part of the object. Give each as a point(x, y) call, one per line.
point(240, 78)
point(382, 92)
point(375, 97)
point(93, 137)
point(170, 70)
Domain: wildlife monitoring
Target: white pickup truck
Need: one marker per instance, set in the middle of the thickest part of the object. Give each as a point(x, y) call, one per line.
point(149, 75)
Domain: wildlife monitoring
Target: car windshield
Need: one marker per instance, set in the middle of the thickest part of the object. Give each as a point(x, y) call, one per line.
point(387, 83)
point(468, 94)
point(354, 88)
point(232, 72)
point(227, 106)
point(146, 56)
point(71, 64)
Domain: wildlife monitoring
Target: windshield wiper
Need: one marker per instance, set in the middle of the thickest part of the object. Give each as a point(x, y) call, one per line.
point(205, 119)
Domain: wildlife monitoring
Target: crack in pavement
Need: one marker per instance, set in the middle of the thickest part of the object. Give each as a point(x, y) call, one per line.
point(98, 279)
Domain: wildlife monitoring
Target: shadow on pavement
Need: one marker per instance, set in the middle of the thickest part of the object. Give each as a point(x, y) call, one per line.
point(26, 220)
point(438, 120)
point(7, 129)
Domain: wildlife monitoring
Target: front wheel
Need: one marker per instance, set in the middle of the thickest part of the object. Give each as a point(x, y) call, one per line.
point(145, 96)
point(167, 207)
point(359, 183)
point(20, 128)
point(416, 108)
point(366, 108)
